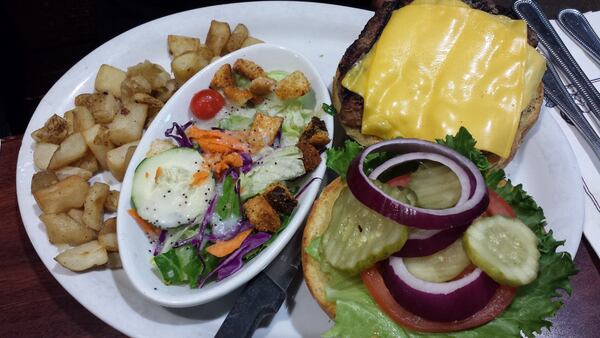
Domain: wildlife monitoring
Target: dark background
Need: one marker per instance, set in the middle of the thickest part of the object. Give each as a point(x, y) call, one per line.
point(43, 39)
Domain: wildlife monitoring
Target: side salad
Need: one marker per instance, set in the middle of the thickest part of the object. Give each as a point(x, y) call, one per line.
point(457, 250)
point(219, 189)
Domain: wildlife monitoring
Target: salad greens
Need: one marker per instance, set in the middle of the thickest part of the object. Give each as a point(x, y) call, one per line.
point(358, 315)
point(181, 265)
point(228, 205)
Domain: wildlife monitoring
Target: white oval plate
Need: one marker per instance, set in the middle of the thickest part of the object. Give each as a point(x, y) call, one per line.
point(321, 33)
point(134, 247)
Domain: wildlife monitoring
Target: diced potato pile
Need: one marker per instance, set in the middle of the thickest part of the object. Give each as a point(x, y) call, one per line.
point(101, 133)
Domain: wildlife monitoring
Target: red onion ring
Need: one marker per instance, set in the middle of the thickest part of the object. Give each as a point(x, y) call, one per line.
point(449, 301)
point(374, 198)
point(428, 242)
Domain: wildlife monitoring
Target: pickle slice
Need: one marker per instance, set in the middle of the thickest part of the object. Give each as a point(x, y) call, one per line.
point(504, 248)
point(436, 186)
point(358, 237)
point(442, 266)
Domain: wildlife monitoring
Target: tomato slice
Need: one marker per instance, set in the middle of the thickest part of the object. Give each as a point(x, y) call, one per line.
point(382, 296)
point(206, 104)
point(498, 206)
point(400, 181)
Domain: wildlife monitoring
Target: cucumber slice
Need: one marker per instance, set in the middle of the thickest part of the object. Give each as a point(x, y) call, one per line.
point(442, 266)
point(435, 185)
point(504, 248)
point(358, 237)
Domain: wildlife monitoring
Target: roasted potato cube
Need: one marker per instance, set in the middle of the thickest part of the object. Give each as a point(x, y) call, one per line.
point(82, 119)
point(42, 154)
point(103, 106)
point(251, 41)
point(237, 38)
point(64, 195)
point(292, 86)
point(97, 139)
point(238, 96)
point(261, 215)
point(63, 229)
point(249, 69)
point(223, 78)
point(83, 257)
point(217, 36)
point(158, 146)
point(205, 52)
point(68, 116)
point(310, 156)
point(87, 162)
point(280, 198)
point(70, 150)
point(156, 75)
point(315, 133)
point(154, 104)
point(42, 179)
point(65, 172)
point(107, 237)
point(54, 131)
point(93, 208)
point(112, 201)
point(165, 93)
point(133, 85)
point(186, 65)
point(214, 58)
point(117, 160)
point(263, 131)
point(129, 124)
point(108, 80)
point(76, 214)
point(262, 86)
point(179, 44)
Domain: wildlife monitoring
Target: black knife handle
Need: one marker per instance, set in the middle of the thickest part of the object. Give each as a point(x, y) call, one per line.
point(246, 314)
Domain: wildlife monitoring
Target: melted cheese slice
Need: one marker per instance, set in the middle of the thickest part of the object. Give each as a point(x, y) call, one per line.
point(439, 65)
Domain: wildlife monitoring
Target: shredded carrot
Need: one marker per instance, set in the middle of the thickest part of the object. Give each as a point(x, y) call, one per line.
point(158, 174)
point(199, 177)
point(146, 227)
point(224, 248)
point(214, 141)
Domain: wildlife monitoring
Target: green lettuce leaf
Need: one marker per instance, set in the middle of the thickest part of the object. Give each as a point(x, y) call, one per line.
point(357, 315)
point(338, 159)
point(181, 265)
point(228, 205)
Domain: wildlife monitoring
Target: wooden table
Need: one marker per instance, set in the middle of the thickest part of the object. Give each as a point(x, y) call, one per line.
point(33, 304)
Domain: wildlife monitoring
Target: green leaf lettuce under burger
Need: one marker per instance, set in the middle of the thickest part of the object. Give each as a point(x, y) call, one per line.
point(358, 315)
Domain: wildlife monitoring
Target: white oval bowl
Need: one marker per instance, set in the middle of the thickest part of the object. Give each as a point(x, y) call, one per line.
point(134, 247)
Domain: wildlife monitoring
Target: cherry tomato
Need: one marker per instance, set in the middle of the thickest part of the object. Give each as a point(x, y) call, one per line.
point(498, 206)
point(206, 104)
point(382, 296)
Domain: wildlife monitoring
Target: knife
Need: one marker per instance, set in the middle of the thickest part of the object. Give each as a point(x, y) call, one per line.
point(263, 296)
point(579, 29)
point(558, 93)
point(558, 54)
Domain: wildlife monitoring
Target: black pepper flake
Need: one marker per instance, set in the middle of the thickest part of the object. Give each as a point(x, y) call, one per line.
point(155, 289)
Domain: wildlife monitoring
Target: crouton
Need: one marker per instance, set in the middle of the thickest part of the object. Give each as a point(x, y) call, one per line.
point(315, 133)
point(223, 78)
point(261, 215)
point(262, 86)
point(238, 96)
point(263, 131)
point(248, 69)
point(292, 86)
point(310, 156)
point(280, 198)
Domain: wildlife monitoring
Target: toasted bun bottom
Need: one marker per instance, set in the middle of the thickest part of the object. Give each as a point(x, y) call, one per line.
point(316, 224)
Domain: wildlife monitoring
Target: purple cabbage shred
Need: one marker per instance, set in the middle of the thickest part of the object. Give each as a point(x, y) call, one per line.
point(234, 262)
point(240, 226)
point(247, 162)
point(177, 132)
point(160, 242)
point(196, 240)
